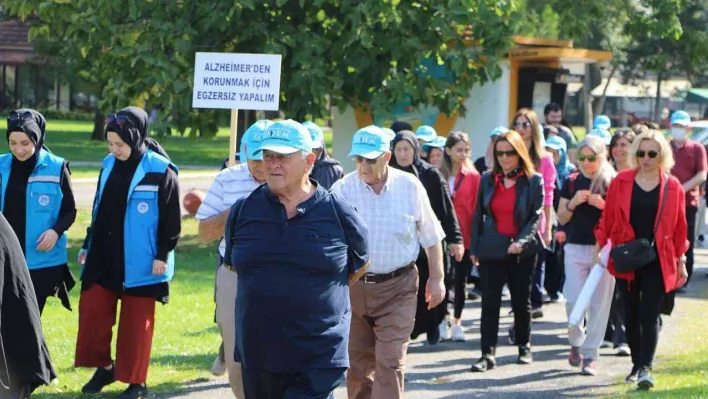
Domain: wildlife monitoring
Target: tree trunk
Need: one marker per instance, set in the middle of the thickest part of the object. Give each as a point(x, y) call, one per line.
point(657, 100)
point(587, 100)
point(600, 104)
point(98, 126)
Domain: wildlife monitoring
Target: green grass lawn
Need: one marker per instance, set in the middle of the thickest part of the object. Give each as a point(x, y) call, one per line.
point(72, 140)
point(681, 367)
point(185, 340)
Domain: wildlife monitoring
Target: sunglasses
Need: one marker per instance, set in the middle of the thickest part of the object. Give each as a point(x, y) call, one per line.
point(652, 154)
point(524, 125)
point(25, 116)
point(501, 154)
point(589, 158)
point(119, 120)
point(360, 159)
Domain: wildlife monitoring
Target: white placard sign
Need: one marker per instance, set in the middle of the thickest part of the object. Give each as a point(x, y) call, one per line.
point(237, 81)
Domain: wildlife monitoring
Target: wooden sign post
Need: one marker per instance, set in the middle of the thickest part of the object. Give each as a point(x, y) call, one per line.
point(233, 137)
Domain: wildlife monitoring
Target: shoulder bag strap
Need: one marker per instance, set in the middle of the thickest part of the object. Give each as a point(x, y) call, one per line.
point(665, 195)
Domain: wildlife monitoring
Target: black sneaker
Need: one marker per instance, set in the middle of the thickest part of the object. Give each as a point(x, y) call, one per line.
point(633, 377)
point(134, 391)
point(525, 356)
point(486, 362)
point(645, 382)
point(100, 379)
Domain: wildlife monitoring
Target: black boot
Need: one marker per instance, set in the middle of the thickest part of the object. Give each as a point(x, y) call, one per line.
point(100, 379)
point(134, 391)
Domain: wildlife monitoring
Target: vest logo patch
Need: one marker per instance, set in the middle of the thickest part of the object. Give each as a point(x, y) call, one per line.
point(43, 200)
point(143, 207)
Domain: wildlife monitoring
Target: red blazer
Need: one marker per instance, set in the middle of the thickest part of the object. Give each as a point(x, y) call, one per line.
point(671, 242)
point(465, 200)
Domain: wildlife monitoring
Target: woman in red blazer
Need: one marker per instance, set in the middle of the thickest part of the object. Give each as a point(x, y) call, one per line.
point(633, 195)
point(463, 181)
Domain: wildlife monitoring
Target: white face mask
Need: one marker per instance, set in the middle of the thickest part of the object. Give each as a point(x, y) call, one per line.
point(678, 133)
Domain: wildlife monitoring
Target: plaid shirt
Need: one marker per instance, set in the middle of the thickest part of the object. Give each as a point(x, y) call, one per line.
point(400, 218)
point(229, 186)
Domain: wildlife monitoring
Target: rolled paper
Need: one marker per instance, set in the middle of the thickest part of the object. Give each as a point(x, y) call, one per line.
point(581, 304)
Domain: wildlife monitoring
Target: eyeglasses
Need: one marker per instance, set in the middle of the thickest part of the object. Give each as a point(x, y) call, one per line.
point(119, 120)
point(501, 154)
point(589, 158)
point(360, 159)
point(520, 125)
point(652, 154)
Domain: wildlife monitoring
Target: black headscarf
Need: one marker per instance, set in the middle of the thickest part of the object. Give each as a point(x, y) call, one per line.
point(397, 126)
point(135, 133)
point(34, 129)
point(418, 167)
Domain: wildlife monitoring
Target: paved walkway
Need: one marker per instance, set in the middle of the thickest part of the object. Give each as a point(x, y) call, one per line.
point(442, 371)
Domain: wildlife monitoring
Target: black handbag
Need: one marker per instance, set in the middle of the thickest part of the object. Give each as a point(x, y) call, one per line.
point(636, 254)
point(493, 247)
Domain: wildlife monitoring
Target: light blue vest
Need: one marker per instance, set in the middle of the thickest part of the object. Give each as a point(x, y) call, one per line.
point(141, 220)
point(42, 207)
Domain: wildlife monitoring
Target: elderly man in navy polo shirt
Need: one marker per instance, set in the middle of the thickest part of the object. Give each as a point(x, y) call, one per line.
point(296, 248)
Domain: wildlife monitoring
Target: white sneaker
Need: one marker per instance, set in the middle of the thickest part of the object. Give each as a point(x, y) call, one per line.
point(607, 344)
point(623, 350)
point(218, 368)
point(458, 334)
point(444, 331)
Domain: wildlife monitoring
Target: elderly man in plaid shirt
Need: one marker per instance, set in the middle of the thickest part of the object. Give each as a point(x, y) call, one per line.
point(397, 211)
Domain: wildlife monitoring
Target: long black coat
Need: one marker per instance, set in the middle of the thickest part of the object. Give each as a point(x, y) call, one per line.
point(441, 202)
point(21, 335)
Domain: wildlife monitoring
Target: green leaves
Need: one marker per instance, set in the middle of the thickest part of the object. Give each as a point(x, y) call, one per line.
point(334, 51)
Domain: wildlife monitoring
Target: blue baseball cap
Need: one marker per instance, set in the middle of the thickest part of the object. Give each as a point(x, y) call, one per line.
point(425, 133)
point(602, 122)
point(556, 143)
point(603, 134)
point(316, 134)
point(251, 140)
point(438, 142)
point(370, 142)
point(680, 118)
point(498, 131)
point(286, 137)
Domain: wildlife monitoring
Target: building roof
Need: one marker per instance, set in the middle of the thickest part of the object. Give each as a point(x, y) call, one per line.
point(14, 42)
point(14, 33)
point(643, 88)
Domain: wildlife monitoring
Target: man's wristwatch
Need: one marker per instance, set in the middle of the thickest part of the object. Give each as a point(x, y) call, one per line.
point(683, 259)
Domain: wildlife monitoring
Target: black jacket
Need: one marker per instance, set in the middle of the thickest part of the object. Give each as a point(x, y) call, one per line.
point(22, 346)
point(527, 212)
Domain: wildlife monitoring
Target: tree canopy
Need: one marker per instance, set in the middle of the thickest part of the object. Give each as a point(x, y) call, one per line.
point(366, 53)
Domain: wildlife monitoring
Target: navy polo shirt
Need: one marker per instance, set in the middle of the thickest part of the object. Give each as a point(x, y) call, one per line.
point(292, 304)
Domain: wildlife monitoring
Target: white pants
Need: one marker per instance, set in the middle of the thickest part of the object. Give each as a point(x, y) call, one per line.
point(578, 262)
point(226, 282)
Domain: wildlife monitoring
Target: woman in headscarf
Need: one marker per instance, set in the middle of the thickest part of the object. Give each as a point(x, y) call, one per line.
point(326, 170)
point(38, 203)
point(406, 158)
point(127, 255)
point(25, 363)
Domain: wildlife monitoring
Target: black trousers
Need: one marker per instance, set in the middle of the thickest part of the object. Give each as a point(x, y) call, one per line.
point(311, 384)
point(555, 271)
point(643, 299)
point(691, 222)
point(616, 331)
point(518, 274)
point(462, 272)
